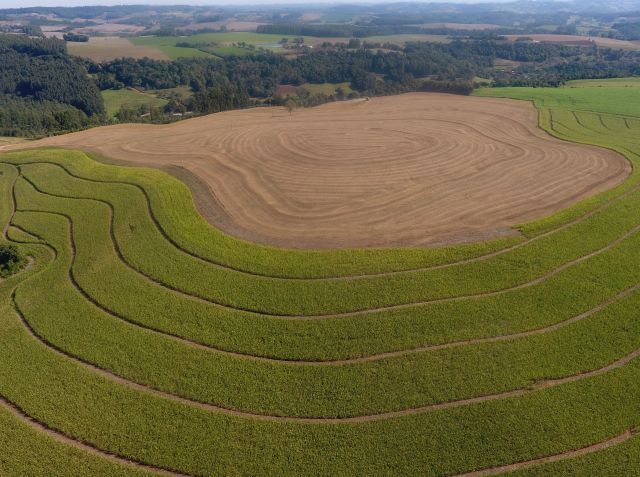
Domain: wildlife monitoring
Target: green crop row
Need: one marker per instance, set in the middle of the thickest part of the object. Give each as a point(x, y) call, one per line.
point(127, 293)
point(287, 389)
point(144, 248)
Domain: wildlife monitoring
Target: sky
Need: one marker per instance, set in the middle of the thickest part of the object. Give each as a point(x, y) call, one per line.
point(78, 3)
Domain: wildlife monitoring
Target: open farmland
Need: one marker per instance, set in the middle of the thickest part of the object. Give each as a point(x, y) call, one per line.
point(413, 169)
point(167, 44)
point(114, 100)
point(579, 40)
point(140, 340)
point(106, 48)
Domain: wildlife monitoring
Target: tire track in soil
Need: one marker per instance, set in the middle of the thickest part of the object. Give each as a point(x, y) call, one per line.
point(616, 440)
point(63, 438)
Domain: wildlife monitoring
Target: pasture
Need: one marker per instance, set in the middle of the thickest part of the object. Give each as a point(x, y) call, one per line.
point(167, 44)
point(140, 340)
point(114, 100)
point(106, 48)
point(327, 88)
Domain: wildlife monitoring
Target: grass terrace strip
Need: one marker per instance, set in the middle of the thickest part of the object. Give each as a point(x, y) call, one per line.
point(174, 269)
point(346, 388)
point(519, 303)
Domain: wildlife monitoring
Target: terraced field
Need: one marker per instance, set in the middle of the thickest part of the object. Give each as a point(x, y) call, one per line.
point(142, 341)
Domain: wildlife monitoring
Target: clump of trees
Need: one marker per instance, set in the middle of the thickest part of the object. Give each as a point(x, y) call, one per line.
point(75, 37)
point(11, 260)
point(42, 89)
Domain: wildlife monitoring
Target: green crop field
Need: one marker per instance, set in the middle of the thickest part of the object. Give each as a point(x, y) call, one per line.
point(327, 88)
point(116, 99)
point(607, 98)
point(167, 44)
point(630, 82)
point(140, 340)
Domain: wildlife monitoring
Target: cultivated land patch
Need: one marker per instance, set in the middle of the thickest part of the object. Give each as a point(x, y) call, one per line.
point(414, 169)
point(114, 100)
point(106, 48)
point(140, 340)
point(580, 40)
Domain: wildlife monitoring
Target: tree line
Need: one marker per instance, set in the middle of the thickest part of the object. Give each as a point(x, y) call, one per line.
point(42, 89)
point(45, 91)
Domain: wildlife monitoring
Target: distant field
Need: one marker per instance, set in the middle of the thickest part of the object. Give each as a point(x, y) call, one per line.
point(327, 88)
point(462, 26)
point(229, 50)
point(577, 39)
point(226, 40)
point(116, 99)
point(631, 82)
point(401, 39)
point(109, 48)
point(604, 99)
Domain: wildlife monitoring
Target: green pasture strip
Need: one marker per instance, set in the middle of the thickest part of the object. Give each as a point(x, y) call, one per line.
point(146, 249)
point(114, 100)
point(327, 88)
point(20, 236)
point(615, 461)
point(125, 292)
point(628, 82)
point(27, 452)
point(8, 175)
point(65, 396)
point(167, 44)
point(612, 100)
point(175, 52)
point(61, 316)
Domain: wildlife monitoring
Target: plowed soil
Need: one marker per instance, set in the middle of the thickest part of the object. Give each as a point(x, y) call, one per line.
point(415, 169)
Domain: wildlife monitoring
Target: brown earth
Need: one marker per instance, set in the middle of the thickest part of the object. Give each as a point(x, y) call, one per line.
point(415, 169)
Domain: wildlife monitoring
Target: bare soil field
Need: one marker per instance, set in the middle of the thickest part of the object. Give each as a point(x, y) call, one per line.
point(415, 169)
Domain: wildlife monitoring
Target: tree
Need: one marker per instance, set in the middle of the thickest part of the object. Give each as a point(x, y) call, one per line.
point(290, 105)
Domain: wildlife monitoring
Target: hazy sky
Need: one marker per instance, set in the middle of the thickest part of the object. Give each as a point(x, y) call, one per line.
point(77, 3)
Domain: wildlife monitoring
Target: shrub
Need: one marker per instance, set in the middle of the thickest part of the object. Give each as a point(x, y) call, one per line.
point(11, 260)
